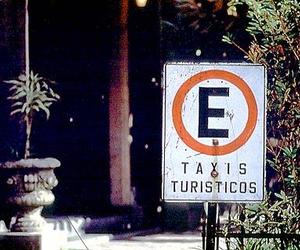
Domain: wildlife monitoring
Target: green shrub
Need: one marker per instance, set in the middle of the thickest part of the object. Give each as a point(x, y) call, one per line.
point(274, 27)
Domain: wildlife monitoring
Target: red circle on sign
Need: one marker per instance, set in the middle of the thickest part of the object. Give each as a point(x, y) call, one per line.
point(185, 135)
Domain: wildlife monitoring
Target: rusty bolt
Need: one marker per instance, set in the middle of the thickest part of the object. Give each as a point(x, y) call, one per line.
point(214, 173)
point(215, 142)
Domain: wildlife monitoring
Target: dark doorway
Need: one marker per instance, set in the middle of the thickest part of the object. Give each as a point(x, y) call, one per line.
point(70, 43)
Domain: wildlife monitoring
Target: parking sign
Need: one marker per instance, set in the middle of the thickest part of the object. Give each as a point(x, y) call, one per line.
point(213, 132)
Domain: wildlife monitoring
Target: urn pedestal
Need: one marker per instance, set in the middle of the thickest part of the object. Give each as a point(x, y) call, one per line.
point(26, 186)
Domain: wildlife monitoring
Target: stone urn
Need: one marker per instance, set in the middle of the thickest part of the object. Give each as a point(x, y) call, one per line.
point(26, 187)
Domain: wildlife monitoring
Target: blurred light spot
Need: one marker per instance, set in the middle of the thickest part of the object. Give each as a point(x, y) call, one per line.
point(198, 52)
point(141, 3)
point(130, 139)
point(159, 209)
point(130, 120)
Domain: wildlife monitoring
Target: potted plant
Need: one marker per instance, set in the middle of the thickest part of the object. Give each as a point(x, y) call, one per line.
point(27, 183)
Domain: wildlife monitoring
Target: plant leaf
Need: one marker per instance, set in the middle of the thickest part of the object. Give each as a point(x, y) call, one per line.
point(15, 112)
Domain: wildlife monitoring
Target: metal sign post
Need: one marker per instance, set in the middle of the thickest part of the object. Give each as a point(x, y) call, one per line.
point(211, 226)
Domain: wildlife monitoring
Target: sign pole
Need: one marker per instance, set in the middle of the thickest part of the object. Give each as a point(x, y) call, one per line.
point(211, 226)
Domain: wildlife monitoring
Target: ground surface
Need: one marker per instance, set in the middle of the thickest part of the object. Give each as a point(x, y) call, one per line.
point(159, 241)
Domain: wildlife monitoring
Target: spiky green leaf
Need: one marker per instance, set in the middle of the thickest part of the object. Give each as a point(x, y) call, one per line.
point(15, 82)
point(17, 104)
point(46, 110)
point(15, 111)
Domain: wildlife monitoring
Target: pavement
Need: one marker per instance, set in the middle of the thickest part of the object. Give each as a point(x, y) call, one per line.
point(156, 241)
point(70, 236)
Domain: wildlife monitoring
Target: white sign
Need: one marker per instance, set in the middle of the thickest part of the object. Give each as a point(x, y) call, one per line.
point(213, 132)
